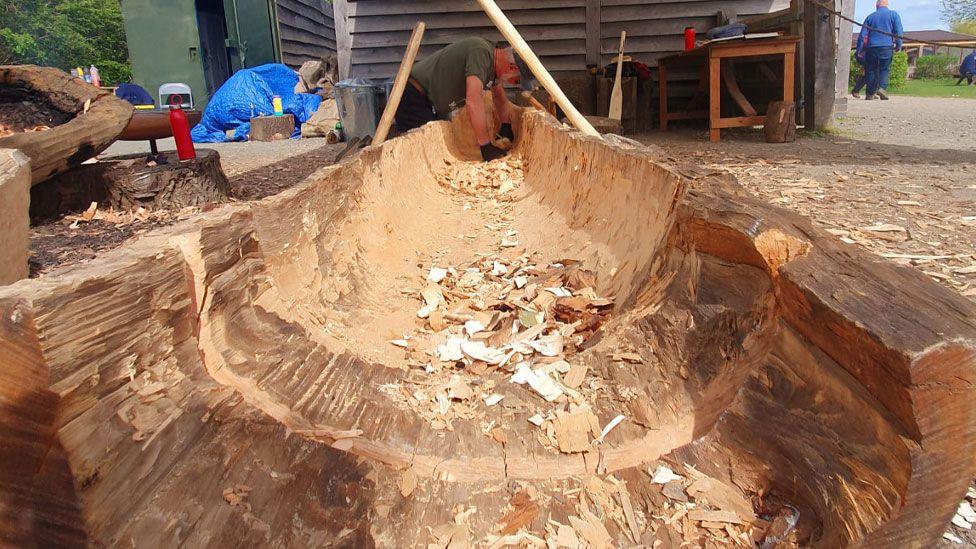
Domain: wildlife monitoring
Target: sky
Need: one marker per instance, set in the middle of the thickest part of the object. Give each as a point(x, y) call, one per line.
point(915, 14)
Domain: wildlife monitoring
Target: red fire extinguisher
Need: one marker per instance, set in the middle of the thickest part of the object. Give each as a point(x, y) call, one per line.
point(181, 129)
point(689, 38)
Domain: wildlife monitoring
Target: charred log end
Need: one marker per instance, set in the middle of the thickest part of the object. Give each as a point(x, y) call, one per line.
point(14, 226)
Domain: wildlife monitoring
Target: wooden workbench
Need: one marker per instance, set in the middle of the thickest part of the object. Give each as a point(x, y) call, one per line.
point(713, 55)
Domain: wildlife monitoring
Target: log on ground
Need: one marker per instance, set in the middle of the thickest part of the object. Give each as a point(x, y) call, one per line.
point(272, 128)
point(781, 122)
point(95, 118)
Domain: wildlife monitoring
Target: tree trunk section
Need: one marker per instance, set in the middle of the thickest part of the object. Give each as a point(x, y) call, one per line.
point(781, 122)
point(272, 128)
point(128, 183)
point(98, 119)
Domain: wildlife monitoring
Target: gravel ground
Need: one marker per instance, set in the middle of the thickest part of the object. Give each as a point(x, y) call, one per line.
point(235, 158)
point(922, 122)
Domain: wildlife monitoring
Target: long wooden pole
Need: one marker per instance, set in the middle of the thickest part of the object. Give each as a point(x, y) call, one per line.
point(617, 96)
point(525, 52)
point(399, 84)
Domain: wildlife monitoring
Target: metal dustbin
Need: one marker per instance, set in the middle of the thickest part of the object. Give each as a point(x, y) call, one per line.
point(359, 106)
point(383, 88)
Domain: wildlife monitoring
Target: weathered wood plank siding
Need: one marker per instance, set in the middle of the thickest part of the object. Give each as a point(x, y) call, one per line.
point(380, 29)
point(307, 30)
point(557, 30)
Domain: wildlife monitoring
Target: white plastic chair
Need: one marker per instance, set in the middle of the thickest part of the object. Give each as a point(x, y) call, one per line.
point(173, 88)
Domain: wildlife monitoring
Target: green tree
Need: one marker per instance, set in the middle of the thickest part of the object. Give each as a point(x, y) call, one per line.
point(65, 34)
point(959, 10)
point(963, 27)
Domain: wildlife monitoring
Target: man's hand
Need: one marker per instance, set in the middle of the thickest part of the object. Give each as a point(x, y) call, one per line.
point(490, 152)
point(507, 131)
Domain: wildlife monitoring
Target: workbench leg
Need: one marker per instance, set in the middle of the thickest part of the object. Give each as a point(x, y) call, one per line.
point(789, 70)
point(662, 82)
point(714, 98)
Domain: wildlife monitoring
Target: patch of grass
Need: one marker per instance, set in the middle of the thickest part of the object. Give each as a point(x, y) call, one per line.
point(937, 87)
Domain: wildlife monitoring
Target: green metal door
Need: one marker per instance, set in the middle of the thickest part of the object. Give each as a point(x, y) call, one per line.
point(252, 26)
point(164, 45)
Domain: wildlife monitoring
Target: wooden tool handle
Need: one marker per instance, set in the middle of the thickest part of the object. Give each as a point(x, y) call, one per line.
point(399, 84)
point(617, 96)
point(518, 43)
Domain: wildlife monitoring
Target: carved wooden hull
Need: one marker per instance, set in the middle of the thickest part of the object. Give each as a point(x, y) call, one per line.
point(62, 147)
point(241, 350)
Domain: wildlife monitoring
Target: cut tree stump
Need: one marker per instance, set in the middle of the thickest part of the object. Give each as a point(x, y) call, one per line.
point(781, 122)
point(128, 182)
point(272, 128)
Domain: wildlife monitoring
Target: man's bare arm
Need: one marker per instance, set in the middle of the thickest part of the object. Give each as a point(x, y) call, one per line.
point(502, 105)
point(475, 104)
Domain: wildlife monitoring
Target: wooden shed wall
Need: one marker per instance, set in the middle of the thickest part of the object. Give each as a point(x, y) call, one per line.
point(566, 34)
point(306, 29)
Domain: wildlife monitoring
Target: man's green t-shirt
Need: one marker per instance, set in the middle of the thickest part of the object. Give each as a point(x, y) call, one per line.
point(443, 74)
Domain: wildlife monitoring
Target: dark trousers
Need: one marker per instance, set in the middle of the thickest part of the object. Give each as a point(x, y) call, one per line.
point(968, 77)
point(414, 111)
point(877, 66)
point(860, 83)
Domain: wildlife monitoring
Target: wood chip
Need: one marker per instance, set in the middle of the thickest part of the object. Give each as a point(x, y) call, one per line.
point(407, 482)
point(700, 515)
point(592, 530)
point(89, 214)
point(663, 475)
point(433, 298)
point(629, 514)
point(577, 373)
point(524, 512)
point(610, 426)
point(436, 320)
point(632, 358)
point(572, 430)
point(718, 494)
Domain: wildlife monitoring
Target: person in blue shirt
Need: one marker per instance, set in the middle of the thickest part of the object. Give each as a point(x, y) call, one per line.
point(859, 57)
point(967, 71)
point(880, 48)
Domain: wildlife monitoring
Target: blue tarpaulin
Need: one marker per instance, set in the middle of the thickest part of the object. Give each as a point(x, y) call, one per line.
point(248, 93)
